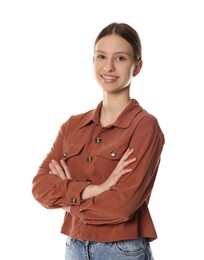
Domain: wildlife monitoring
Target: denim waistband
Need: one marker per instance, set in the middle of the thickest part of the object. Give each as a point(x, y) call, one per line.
point(140, 240)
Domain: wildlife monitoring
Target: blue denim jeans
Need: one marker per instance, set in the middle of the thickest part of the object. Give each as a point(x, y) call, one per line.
point(137, 249)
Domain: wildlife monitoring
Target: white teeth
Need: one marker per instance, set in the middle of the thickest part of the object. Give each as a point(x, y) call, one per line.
point(109, 78)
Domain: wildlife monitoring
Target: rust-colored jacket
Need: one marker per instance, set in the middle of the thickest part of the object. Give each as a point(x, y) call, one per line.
point(92, 152)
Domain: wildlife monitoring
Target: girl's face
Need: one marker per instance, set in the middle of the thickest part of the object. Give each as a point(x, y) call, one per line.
point(114, 63)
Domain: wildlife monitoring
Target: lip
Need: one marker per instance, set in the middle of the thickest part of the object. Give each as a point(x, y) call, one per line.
point(109, 78)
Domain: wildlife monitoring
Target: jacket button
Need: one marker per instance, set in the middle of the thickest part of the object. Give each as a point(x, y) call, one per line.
point(73, 200)
point(65, 154)
point(113, 153)
point(89, 159)
point(98, 140)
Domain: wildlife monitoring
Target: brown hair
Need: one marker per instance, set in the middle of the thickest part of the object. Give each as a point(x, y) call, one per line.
point(126, 32)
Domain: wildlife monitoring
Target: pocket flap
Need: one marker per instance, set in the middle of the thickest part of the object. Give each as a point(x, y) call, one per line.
point(71, 149)
point(113, 151)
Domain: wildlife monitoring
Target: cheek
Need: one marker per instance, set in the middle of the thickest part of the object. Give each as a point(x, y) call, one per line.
point(96, 72)
point(98, 68)
point(128, 72)
point(98, 65)
point(95, 69)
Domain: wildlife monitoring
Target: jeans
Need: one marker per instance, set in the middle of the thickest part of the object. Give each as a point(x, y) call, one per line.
point(136, 249)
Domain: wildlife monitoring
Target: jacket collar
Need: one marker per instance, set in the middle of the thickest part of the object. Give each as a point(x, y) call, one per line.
point(123, 121)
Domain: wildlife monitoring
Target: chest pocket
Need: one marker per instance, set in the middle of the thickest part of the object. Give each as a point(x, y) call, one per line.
point(113, 151)
point(70, 150)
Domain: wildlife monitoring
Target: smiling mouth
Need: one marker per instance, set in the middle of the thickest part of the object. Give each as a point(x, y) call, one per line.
point(108, 79)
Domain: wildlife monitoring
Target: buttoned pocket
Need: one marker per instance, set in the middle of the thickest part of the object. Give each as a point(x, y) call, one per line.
point(107, 159)
point(113, 151)
point(70, 150)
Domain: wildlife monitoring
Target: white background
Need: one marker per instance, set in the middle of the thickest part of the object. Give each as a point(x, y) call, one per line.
point(46, 75)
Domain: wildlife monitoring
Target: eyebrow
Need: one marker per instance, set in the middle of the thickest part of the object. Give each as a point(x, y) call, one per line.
point(118, 52)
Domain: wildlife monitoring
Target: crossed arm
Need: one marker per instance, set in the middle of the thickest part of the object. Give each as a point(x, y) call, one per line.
point(92, 190)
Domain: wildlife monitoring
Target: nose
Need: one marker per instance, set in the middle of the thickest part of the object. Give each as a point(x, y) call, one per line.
point(109, 65)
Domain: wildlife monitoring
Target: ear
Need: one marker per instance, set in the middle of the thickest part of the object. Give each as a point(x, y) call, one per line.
point(138, 67)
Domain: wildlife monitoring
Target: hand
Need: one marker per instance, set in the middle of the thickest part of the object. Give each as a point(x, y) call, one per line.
point(121, 169)
point(60, 171)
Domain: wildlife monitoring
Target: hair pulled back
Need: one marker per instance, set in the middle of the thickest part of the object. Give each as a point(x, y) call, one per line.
point(126, 32)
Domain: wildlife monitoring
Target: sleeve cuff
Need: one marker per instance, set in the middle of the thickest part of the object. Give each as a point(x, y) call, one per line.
point(73, 193)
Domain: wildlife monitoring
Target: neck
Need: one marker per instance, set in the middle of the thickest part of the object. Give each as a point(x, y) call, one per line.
point(112, 106)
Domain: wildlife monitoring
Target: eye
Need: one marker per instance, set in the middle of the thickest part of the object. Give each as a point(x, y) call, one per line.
point(120, 58)
point(100, 56)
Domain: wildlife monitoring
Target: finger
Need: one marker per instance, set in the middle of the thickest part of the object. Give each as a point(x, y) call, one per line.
point(120, 174)
point(128, 152)
point(66, 170)
point(52, 169)
point(57, 170)
point(123, 165)
point(128, 162)
point(126, 155)
point(125, 171)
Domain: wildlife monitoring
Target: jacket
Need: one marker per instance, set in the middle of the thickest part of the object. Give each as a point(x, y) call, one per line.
point(91, 153)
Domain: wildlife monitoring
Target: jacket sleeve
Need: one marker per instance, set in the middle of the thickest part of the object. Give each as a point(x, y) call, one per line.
point(133, 189)
point(50, 190)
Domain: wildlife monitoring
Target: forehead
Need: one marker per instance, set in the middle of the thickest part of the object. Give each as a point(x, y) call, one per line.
point(113, 43)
